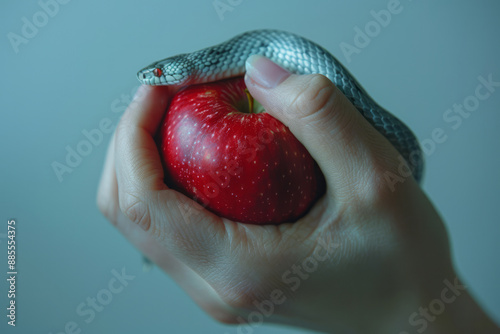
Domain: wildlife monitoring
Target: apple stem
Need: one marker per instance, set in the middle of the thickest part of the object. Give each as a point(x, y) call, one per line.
point(250, 101)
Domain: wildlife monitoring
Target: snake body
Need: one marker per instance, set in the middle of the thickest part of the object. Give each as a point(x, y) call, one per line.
point(298, 55)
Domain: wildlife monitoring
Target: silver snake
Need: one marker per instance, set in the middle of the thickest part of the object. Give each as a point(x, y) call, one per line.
point(296, 54)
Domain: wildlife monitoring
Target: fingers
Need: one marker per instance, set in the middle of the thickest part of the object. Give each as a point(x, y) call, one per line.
point(166, 208)
point(137, 161)
point(343, 143)
point(134, 140)
point(176, 221)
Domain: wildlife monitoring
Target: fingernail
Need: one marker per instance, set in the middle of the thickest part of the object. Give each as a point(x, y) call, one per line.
point(264, 72)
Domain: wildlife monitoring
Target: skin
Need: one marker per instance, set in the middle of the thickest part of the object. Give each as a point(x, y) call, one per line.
point(363, 260)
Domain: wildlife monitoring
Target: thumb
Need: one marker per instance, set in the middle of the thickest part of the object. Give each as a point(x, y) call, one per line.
point(346, 147)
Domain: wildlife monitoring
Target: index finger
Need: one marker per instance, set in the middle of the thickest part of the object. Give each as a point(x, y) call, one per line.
point(135, 143)
point(143, 196)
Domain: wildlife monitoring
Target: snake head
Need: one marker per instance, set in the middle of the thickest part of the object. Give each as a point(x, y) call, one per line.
point(167, 72)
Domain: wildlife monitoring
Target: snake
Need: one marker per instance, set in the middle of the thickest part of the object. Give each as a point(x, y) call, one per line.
point(297, 55)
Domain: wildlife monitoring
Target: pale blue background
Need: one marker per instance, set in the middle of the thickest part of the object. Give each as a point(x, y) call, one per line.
point(67, 77)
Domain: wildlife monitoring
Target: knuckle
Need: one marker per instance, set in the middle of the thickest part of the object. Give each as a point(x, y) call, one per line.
point(135, 209)
point(241, 297)
point(315, 97)
point(245, 293)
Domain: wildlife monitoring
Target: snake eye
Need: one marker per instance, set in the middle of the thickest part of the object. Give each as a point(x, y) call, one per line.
point(157, 72)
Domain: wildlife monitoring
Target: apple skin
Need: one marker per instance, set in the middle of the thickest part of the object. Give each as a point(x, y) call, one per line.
point(244, 166)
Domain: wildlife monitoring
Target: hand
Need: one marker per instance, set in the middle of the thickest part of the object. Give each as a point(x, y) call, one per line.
point(362, 260)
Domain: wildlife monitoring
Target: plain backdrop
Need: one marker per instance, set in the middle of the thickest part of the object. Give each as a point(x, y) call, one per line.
point(79, 68)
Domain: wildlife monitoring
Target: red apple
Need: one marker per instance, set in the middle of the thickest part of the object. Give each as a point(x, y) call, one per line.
point(223, 150)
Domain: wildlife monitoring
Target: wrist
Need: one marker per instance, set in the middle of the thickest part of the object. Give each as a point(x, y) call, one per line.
point(461, 314)
point(444, 308)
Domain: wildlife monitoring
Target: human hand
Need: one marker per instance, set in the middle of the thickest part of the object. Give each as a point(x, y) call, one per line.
point(362, 260)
